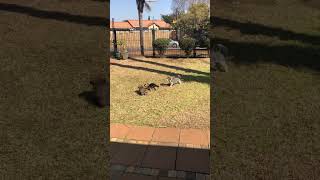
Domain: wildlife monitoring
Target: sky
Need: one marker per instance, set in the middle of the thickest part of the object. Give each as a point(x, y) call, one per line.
point(127, 9)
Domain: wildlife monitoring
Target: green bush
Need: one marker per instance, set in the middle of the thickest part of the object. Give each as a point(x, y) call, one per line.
point(206, 43)
point(187, 44)
point(202, 39)
point(161, 45)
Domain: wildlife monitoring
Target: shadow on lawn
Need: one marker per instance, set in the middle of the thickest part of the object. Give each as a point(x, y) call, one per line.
point(91, 98)
point(169, 66)
point(61, 16)
point(286, 55)
point(185, 78)
point(259, 29)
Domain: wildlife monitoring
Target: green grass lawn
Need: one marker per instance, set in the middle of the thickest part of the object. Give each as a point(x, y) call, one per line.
point(185, 106)
point(268, 105)
point(49, 50)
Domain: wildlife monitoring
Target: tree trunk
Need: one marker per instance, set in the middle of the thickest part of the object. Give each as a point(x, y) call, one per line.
point(141, 33)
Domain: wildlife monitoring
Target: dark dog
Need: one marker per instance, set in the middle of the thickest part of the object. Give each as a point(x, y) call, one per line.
point(143, 90)
point(152, 86)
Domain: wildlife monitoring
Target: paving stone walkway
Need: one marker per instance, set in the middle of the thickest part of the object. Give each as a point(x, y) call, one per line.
point(159, 153)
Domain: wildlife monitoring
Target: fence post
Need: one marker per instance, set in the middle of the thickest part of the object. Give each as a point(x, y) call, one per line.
point(115, 47)
point(194, 52)
point(153, 39)
point(115, 40)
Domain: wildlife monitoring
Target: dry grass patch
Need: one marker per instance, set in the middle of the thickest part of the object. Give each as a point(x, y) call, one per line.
point(185, 105)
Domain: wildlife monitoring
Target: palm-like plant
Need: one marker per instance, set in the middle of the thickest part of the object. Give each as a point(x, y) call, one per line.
point(141, 4)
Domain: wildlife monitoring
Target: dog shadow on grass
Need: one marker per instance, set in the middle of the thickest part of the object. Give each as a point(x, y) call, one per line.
point(90, 97)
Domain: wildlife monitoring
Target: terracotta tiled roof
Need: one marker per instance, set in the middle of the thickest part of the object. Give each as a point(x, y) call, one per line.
point(147, 23)
point(135, 24)
point(121, 25)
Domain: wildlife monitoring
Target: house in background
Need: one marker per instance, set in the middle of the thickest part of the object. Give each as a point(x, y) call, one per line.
point(133, 25)
point(121, 26)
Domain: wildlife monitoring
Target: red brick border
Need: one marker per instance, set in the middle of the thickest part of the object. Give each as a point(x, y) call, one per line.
point(190, 138)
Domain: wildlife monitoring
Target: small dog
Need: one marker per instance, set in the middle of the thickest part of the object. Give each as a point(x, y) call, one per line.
point(222, 49)
point(152, 86)
point(220, 53)
point(174, 80)
point(142, 90)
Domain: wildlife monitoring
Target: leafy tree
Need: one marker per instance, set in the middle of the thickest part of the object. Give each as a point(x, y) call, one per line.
point(168, 18)
point(190, 2)
point(178, 7)
point(195, 23)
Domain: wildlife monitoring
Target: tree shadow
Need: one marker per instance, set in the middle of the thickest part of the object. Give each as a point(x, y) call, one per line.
point(170, 66)
point(259, 29)
point(185, 78)
point(60, 16)
point(286, 55)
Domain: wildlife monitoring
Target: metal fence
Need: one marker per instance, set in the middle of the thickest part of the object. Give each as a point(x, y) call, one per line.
point(132, 39)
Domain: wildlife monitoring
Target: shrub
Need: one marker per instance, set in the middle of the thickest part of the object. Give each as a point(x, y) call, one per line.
point(187, 44)
point(206, 43)
point(161, 45)
point(203, 42)
point(201, 37)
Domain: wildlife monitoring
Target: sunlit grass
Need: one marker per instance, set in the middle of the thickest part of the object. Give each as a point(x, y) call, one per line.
point(185, 105)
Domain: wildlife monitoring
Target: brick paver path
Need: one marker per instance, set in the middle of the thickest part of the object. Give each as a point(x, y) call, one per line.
point(159, 153)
